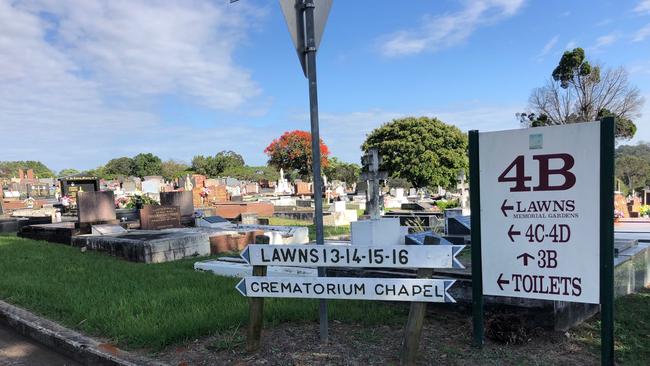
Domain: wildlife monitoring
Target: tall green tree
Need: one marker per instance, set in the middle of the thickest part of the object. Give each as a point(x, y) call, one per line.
point(10, 169)
point(633, 165)
point(340, 170)
point(633, 171)
point(425, 151)
point(227, 160)
point(146, 164)
point(174, 169)
point(581, 92)
point(123, 166)
point(214, 166)
point(67, 172)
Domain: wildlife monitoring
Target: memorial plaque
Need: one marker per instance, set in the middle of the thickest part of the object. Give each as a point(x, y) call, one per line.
point(160, 217)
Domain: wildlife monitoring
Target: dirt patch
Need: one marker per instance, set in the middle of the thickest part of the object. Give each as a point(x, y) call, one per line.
point(446, 340)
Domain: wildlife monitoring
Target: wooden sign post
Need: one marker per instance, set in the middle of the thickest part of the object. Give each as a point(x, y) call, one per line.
point(419, 291)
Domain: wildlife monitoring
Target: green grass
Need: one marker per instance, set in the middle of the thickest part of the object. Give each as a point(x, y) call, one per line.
point(146, 305)
point(631, 330)
point(328, 230)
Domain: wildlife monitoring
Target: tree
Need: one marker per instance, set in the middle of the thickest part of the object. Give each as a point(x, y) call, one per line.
point(425, 151)
point(633, 171)
point(339, 170)
point(119, 167)
point(171, 169)
point(292, 151)
point(146, 164)
point(580, 92)
point(10, 169)
point(252, 173)
point(228, 159)
point(633, 165)
point(67, 172)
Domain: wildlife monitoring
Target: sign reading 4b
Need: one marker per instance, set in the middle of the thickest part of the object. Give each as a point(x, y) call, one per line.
point(540, 212)
point(544, 173)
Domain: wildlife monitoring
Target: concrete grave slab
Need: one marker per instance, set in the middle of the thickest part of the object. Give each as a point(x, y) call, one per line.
point(148, 246)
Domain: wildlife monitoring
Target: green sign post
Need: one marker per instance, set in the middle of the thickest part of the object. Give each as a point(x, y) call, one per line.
point(552, 187)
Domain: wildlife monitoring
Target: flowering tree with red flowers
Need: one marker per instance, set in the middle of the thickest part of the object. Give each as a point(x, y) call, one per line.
point(292, 151)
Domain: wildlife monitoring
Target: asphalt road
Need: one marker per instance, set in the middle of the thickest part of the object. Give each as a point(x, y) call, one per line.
point(17, 350)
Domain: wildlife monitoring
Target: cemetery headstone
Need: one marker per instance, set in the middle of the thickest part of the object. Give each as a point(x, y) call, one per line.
point(73, 184)
point(96, 207)
point(181, 199)
point(160, 217)
point(371, 173)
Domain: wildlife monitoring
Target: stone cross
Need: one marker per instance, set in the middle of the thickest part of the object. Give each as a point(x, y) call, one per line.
point(463, 186)
point(371, 162)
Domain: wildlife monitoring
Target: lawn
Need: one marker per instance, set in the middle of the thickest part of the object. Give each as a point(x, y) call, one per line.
point(146, 305)
point(327, 230)
point(153, 306)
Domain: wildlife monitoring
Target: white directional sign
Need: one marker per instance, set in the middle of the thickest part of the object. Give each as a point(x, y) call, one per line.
point(539, 190)
point(402, 256)
point(385, 289)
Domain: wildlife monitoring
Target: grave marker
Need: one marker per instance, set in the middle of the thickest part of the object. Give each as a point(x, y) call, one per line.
point(95, 207)
point(160, 217)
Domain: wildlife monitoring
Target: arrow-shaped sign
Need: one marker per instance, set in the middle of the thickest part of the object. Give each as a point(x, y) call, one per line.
point(501, 281)
point(505, 208)
point(384, 289)
point(525, 257)
point(331, 255)
point(241, 287)
point(512, 233)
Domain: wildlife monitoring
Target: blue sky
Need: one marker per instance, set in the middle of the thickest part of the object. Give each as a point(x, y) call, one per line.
point(82, 82)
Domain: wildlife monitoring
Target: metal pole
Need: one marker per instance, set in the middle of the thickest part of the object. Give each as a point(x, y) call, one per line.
point(310, 54)
point(607, 241)
point(477, 266)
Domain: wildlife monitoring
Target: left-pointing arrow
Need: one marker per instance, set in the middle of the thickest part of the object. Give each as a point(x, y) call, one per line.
point(512, 232)
point(241, 287)
point(246, 255)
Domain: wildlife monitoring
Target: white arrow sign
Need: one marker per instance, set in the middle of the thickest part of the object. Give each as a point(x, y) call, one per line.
point(293, 14)
point(386, 289)
point(403, 256)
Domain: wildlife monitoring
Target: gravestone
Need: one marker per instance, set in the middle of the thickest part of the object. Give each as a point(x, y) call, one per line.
point(151, 184)
point(199, 180)
point(95, 207)
point(371, 162)
point(71, 185)
point(160, 217)
point(182, 200)
point(303, 188)
point(129, 186)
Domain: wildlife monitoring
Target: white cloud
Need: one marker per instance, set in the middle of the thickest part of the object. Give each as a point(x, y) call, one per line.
point(345, 132)
point(604, 41)
point(79, 78)
point(441, 31)
point(643, 7)
point(641, 34)
point(571, 45)
point(549, 46)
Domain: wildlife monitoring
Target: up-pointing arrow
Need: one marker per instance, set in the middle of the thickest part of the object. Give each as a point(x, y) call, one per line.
point(525, 257)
